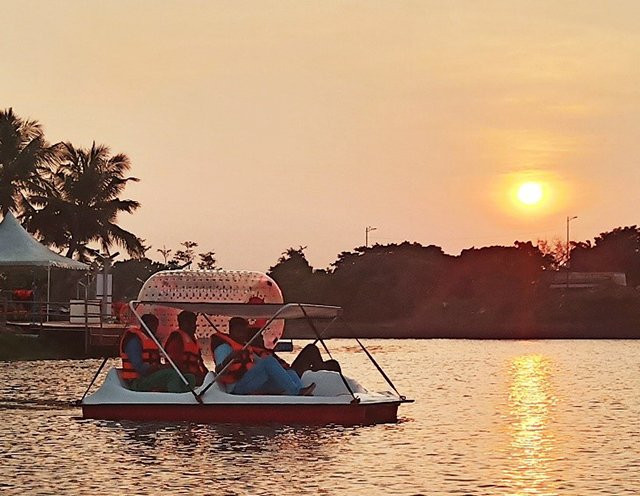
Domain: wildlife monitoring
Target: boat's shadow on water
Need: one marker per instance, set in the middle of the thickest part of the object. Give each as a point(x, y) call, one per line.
point(34, 404)
point(191, 439)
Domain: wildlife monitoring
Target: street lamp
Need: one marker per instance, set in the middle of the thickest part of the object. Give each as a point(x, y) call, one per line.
point(367, 230)
point(568, 264)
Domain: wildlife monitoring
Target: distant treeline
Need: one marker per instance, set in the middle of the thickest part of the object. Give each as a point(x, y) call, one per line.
point(409, 289)
point(71, 198)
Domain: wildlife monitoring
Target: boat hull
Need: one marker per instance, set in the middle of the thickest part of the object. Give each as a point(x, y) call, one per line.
point(307, 414)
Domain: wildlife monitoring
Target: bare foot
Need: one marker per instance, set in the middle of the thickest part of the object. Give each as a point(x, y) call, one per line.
point(307, 391)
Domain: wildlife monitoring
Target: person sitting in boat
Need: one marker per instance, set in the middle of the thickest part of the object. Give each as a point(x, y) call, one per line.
point(245, 372)
point(309, 357)
point(183, 349)
point(141, 366)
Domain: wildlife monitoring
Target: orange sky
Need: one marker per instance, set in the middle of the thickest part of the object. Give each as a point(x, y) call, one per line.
point(256, 126)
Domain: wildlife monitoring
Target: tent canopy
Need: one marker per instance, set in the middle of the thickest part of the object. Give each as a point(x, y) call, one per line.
point(19, 249)
point(249, 311)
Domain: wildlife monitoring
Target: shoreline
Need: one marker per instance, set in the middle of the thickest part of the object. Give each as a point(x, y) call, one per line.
point(16, 347)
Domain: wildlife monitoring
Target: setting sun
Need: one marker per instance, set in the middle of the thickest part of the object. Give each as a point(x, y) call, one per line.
point(530, 193)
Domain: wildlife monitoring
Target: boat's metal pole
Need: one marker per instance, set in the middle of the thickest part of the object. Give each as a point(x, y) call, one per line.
point(206, 317)
point(325, 330)
point(315, 330)
point(48, 289)
point(224, 369)
point(329, 325)
point(373, 360)
point(92, 380)
point(162, 350)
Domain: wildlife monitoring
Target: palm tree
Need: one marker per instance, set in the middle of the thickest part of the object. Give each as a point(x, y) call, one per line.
point(23, 153)
point(78, 202)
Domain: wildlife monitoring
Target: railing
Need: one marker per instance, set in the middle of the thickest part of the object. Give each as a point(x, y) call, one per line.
point(40, 311)
point(79, 315)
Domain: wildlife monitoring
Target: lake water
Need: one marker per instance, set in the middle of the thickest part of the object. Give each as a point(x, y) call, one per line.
point(490, 417)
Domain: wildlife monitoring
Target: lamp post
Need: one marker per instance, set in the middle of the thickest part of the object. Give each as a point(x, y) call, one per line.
point(367, 230)
point(568, 264)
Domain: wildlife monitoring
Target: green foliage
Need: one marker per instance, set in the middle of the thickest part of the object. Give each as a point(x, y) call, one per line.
point(410, 281)
point(77, 202)
point(495, 291)
point(185, 257)
point(165, 252)
point(69, 197)
point(23, 155)
point(555, 250)
point(387, 281)
point(614, 251)
point(129, 275)
point(296, 277)
point(207, 261)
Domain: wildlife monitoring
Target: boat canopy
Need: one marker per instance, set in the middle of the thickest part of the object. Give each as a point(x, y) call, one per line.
point(166, 293)
point(288, 311)
point(18, 248)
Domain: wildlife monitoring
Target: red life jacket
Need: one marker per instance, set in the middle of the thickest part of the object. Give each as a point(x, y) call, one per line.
point(242, 363)
point(150, 353)
point(264, 352)
point(191, 362)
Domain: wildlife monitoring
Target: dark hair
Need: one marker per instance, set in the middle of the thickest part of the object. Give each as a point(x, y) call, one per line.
point(186, 317)
point(151, 321)
point(237, 323)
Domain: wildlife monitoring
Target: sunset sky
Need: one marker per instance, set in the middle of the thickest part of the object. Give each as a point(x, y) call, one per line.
point(255, 126)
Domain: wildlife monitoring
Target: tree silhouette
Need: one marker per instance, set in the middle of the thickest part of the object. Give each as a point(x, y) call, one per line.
point(165, 253)
point(23, 154)
point(617, 250)
point(186, 256)
point(207, 261)
point(129, 275)
point(78, 201)
point(297, 279)
point(556, 249)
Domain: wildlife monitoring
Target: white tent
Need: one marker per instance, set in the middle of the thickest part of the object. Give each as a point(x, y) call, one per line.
point(19, 249)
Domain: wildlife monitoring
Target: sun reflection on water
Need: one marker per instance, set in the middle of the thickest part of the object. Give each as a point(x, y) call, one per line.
point(532, 441)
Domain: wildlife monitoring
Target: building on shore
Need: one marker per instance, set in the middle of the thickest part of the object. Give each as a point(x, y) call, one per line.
point(586, 280)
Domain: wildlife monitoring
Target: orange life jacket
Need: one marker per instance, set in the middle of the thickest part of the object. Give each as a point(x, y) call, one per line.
point(150, 352)
point(192, 358)
point(242, 363)
point(264, 352)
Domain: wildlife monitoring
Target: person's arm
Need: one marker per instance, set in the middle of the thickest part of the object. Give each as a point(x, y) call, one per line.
point(222, 355)
point(133, 349)
point(175, 349)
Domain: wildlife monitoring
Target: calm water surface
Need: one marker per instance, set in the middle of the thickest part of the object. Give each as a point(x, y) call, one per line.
point(518, 418)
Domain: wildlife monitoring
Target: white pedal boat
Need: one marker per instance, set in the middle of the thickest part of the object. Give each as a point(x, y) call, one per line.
point(331, 404)
point(337, 399)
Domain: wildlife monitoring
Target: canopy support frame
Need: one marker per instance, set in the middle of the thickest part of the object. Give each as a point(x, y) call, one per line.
point(247, 344)
point(48, 290)
point(401, 397)
point(315, 330)
point(263, 328)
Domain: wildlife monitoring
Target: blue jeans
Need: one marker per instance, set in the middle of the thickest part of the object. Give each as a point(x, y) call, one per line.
point(268, 376)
